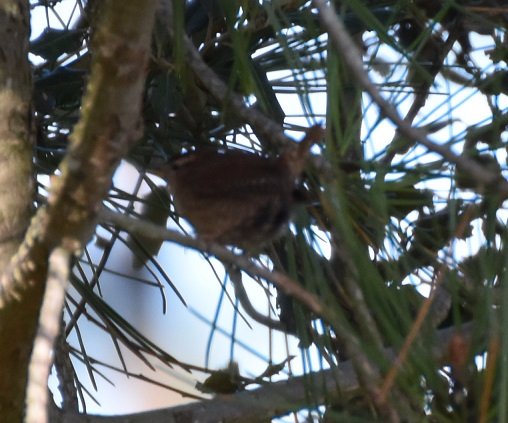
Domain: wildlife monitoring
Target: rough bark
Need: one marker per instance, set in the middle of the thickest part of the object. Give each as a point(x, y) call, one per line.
point(18, 319)
point(108, 127)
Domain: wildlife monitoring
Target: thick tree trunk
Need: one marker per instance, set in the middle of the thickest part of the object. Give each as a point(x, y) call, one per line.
point(18, 318)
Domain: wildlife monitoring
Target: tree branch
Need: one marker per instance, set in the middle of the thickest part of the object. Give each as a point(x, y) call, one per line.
point(243, 298)
point(264, 127)
point(49, 323)
point(279, 279)
point(108, 127)
point(271, 400)
point(17, 321)
point(346, 47)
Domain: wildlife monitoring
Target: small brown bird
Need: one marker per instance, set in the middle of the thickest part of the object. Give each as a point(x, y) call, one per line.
point(234, 197)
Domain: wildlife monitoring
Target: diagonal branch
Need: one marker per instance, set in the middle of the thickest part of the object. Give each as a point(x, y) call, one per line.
point(279, 279)
point(270, 400)
point(369, 373)
point(345, 46)
point(264, 127)
point(109, 126)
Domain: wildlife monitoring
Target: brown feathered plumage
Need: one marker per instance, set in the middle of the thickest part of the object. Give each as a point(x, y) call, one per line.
point(234, 197)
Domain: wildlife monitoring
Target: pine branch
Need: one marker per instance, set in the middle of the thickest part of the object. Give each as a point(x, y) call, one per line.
point(345, 46)
point(109, 126)
point(268, 401)
point(279, 279)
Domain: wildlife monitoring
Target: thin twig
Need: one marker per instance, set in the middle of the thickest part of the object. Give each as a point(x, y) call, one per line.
point(264, 127)
point(241, 294)
point(489, 378)
point(269, 400)
point(346, 47)
point(49, 324)
point(423, 312)
point(420, 98)
point(369, 374)
point(65, 373)
point(279, 279)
